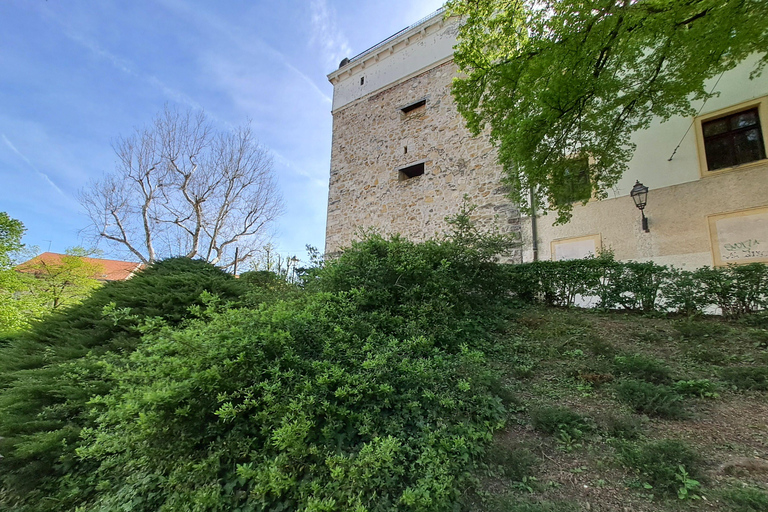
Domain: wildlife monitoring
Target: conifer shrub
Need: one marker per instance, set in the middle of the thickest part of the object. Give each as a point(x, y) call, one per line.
point(48, 375)
point(651, 399)
point(746, 499)
point(643, 367)
point(753, 378)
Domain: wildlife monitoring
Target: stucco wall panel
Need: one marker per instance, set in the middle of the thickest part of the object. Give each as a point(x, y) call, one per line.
point(679, 232)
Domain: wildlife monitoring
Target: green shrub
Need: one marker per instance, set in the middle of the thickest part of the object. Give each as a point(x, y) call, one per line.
point(736, 289)
point(658, 464)
point(291, 407)
point(622, 426)
point(455, 292)
point(48, 375)
point(702, 388)
point(643, 367)
point(746, 499)
point(683, 292)
point(650, 399)
point(637, 286)
point(747, 377)
point(553, 420)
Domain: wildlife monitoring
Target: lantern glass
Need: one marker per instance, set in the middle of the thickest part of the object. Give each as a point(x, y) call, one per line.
point(639, 194)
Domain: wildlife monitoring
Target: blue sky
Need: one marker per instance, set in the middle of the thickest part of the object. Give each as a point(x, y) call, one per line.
point(76, 75)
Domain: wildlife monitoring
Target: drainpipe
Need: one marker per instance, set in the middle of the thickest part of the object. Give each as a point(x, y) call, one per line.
point(534, 234)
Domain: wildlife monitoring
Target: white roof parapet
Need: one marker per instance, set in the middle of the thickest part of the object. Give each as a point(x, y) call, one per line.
point(383, 44)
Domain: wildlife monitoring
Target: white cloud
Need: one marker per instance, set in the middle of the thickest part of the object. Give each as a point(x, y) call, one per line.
point(33, 167)
point(326, 34)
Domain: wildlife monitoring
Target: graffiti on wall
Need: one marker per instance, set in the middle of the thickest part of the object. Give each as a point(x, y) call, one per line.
point(740, 237)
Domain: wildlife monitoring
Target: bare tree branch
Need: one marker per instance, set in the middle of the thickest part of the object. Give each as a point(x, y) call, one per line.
point(180, 188)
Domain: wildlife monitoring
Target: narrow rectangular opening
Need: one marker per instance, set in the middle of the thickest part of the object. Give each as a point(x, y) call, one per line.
point(362, 80)
point(413, 106)
point(411, 171)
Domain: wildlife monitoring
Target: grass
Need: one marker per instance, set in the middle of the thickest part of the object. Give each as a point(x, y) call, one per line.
point(601, 404)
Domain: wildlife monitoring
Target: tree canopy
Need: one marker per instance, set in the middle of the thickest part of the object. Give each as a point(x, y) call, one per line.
point(564, 83)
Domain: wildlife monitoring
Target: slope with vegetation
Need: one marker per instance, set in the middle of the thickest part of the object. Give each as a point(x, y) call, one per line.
point(400, 376)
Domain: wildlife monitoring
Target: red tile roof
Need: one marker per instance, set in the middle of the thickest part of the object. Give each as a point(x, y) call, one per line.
point(112, 270)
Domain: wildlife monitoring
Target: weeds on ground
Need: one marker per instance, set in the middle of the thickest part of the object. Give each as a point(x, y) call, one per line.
point(516, 463)
point(659, 466)
point(753, 378)
point(643, 367)
point(702, 388)
point(698, 329)
point(623, 426)
point(554, 420)
point(513, 503)
point(746, 499)
point(651, 399)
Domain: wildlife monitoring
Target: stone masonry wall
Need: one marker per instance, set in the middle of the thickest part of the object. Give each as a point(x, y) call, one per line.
point(370, 138)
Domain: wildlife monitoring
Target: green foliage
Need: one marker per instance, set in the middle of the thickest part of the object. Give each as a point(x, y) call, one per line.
point(689, 488)
point(452, 290)
point(746, 499)
point(559, 81)
point(515, 504)
point(558, 420)
point(295, 407)
point(700, 329)
point(622, 426)
point(643, 367)
point(48, 375)
point(651, 399)
point(702, 388)
point(658, 464)
point(747, 377)
point(514, 463)
point(12, 309)
point(736, 289)
point(58, 284)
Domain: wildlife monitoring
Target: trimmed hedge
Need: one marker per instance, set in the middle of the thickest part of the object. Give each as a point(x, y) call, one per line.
point(634, 286)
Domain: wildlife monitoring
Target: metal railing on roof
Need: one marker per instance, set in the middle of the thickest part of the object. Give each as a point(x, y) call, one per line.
point(438, 12)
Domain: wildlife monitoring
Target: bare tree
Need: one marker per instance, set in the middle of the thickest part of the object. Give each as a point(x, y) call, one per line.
point(181, 188)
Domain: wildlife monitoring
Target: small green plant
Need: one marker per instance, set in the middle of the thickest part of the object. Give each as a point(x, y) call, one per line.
point(651, 399)
point(642, 367)
point(556, 420)
point(568, 440)
point(658, 464)
point(623, 426)
point(746, 499)
point(753, 378)
point(702, 388)
point(527, 484)
point(688, 486)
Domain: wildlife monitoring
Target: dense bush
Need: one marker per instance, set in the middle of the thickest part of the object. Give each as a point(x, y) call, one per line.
point(366, 394)
point(48, 375)
point(658, 464)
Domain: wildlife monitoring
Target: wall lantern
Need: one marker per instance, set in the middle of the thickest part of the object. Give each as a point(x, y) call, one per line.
point(639, 195)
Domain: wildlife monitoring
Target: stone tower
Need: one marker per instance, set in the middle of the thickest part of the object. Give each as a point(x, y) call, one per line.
point(401, 158)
